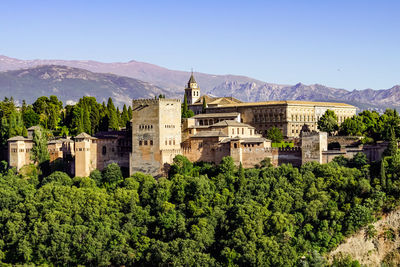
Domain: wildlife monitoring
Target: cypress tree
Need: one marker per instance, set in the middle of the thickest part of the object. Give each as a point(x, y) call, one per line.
point(185, 107)
point(130, 113)
point(391, 149)
point(119, 115)
point(383, 174)
point(40, 154)
point(204, 105)
point(80, 127)
point(124, 116)
point(112, 115)
point(86, 120)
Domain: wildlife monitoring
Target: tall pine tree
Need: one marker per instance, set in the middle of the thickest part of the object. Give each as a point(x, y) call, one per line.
point(40, 154)
point(112, 115)
point(124, 117)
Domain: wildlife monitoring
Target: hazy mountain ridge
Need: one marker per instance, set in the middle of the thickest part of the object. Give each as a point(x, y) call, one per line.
point(169, 79)
point(363, 99)
point(70, 84)
point(172, 83)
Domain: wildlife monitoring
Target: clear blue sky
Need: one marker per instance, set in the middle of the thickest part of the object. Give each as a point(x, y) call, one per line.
point(345, 44)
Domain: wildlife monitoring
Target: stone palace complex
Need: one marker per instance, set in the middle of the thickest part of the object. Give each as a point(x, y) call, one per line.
point(225, 127)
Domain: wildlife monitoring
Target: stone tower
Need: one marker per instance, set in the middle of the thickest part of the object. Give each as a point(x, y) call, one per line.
point(312, 145)
point(19, 149)
point(192, 91)
point(156, 134)
point(85, 155)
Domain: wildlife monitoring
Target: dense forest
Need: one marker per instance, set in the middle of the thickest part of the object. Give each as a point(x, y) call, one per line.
point(87, 115)
point(201, 214)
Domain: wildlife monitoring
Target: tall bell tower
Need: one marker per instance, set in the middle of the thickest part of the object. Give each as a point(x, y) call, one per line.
point(192, 91)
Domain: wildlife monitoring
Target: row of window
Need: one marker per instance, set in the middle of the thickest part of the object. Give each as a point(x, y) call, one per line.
point(238, 131)
point(145, 142)
point(82, 149)
point(169, 126)
point(195, 93)
point(145, 127)
point(261, 118)
point(15, 150)
point(248, 145)
point(169, 142)
point(268, 111)
point(302, 118)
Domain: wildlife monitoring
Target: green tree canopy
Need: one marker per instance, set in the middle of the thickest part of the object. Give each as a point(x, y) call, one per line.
point(40, 154)
point(275, 134)
point(328, 122)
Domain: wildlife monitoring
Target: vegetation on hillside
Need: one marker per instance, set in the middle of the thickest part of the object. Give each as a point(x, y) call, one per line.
point(201, 214)
point(372, 125)
point(57, 120)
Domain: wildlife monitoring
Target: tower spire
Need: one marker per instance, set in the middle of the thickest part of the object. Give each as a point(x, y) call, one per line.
point(192, 90)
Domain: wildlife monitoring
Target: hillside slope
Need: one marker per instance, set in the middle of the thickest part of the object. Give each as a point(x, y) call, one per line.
point(241, 87)
point(379, 249)
point(70, 84)
point(169, 79)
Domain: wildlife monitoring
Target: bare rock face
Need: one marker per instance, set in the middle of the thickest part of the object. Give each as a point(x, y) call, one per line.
point(383, 247)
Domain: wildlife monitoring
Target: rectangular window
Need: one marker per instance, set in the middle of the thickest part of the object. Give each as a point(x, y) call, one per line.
point(140, 143)
point(151, 142)
point(145, 142)
point(242, 130)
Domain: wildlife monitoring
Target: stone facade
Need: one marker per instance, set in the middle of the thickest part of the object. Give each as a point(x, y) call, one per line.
point(85, 155)
point(60, 149)
point(113, 147)
point(19, 149)
point(210, 143)
point(288, 116)
point(313, 144)
point(228, 127)
point(156, 134)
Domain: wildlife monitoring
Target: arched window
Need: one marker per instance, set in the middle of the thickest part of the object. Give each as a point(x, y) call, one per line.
point(104, 150)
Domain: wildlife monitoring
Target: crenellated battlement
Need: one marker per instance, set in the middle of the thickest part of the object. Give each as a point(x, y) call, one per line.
point(172, 151)
point(310, 133)
point(154, 101)
point(288, 149)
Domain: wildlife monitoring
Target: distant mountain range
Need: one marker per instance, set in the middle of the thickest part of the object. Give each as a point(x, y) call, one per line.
point(133, 79)
point(69, 84)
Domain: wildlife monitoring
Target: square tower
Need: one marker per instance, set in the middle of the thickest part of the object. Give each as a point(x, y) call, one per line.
point(192, 91)
point(156, 134)
point(19, 151)
point(85, 154)
point(312, 146)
